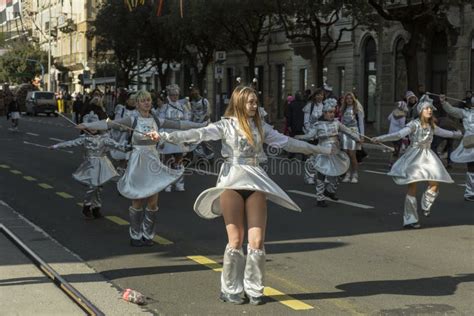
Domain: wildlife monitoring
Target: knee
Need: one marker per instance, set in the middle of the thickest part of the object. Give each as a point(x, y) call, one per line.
point(235, 242)
point(256, 242)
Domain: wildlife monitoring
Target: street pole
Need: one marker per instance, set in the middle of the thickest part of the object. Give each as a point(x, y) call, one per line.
point(49, 49)
point(378, 87)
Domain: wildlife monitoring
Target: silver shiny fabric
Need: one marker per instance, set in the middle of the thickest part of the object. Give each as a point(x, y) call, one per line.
point(410, 212)
point(179, 185)
point(427, 201)
point(327, 132)
point(320, 187)
point(145, 175)
point(136, 219)
point(199, 110)
point(469, 192)
point(241, 171)
point(96, 169)
point(121, 136)
point(254, 272)
point(311, 118)
point(461, 154)
point(148, 225)
point(356, 124)
point(175, 111)
point(419, 162)
point(332, 184)
point(93, 197)
point(232, 276)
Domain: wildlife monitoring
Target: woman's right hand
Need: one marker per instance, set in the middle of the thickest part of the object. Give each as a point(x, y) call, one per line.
point(442, 98)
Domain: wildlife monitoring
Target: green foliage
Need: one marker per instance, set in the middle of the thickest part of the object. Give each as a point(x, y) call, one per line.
point(17, 64)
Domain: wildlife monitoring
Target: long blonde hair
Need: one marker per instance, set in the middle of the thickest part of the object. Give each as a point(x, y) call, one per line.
point(236, 108)
point(356, 104)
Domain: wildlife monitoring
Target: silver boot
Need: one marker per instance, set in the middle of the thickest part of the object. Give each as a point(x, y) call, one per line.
point(410, 214)
point(135, 230)
point(469, 192)
point(320, 188)
point(232, 275)
point(179, 185)
point(427, 201)
point(148, 226)
point(254, 274)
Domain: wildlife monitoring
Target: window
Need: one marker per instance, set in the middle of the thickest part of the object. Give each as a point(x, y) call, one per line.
point(370, 79)
point(472, 63)
point(303, 79)
point(400, 71)
point(341, 78)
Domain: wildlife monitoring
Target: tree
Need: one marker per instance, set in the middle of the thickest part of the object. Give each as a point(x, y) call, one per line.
point(419, 20)
point(21, 62)
point(120, 37)
point(246, 23)
point(315, 21)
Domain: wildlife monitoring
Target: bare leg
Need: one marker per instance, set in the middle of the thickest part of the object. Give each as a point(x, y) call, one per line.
point(256, 209)
point(232, 206)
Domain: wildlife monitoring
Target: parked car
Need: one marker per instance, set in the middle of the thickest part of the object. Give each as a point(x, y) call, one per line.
point(41, 102)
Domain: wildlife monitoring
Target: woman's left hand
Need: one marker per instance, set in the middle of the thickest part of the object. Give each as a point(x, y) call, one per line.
point(153, 135)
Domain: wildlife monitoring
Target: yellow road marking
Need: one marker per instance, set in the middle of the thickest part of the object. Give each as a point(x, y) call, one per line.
point(268, 291)
point(286, 299)
point(64, 195)
point(5, 166)
point(45, 186)
point(80, 204)
point(15, 171)
point(29, 178)
point(207, 262)
point(117, 220)
point(162, 241)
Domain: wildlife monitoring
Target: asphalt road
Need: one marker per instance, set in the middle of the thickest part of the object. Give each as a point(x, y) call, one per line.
point(352, 258)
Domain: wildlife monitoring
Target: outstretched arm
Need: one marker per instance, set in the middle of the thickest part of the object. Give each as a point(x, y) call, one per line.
point(120, 124)
point(213, 131)
point(309, 136)
point(346, 130)
point(438, 131)
point(278, 140)
point(109, 142)
point(407, 130)
point(70, 143)
point(451, 110)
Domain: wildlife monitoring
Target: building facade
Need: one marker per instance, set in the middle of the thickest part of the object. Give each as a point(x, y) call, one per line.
point(369, 63)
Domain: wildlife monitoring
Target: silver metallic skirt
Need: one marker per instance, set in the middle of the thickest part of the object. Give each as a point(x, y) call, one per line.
point(332, 165)
point(348, 143)
point(146, 174)
point(419, 164)
point(241, 177)
point(95, 171)
point(462, 155)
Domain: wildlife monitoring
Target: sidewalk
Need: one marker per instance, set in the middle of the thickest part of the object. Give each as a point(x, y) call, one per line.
point(25, 290)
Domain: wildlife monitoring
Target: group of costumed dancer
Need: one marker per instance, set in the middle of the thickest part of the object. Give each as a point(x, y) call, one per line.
point(243, 187)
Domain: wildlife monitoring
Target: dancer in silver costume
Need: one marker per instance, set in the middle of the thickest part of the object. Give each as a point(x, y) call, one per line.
point(329, 168)
point(463, 154)
point(125, 108)
point(199, 113)
point(352, 117)
point(312, 113)
point(96, 169)
point(175, 110)
point(242, 189)
point(419, 162)
point(145, 175)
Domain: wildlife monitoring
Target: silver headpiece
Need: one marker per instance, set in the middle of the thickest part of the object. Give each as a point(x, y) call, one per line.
point(329, 104)
point(90, 117)
point(172, 89)
point(425, 101)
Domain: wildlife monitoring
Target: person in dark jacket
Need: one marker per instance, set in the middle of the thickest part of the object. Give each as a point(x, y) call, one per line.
point(295, 116)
